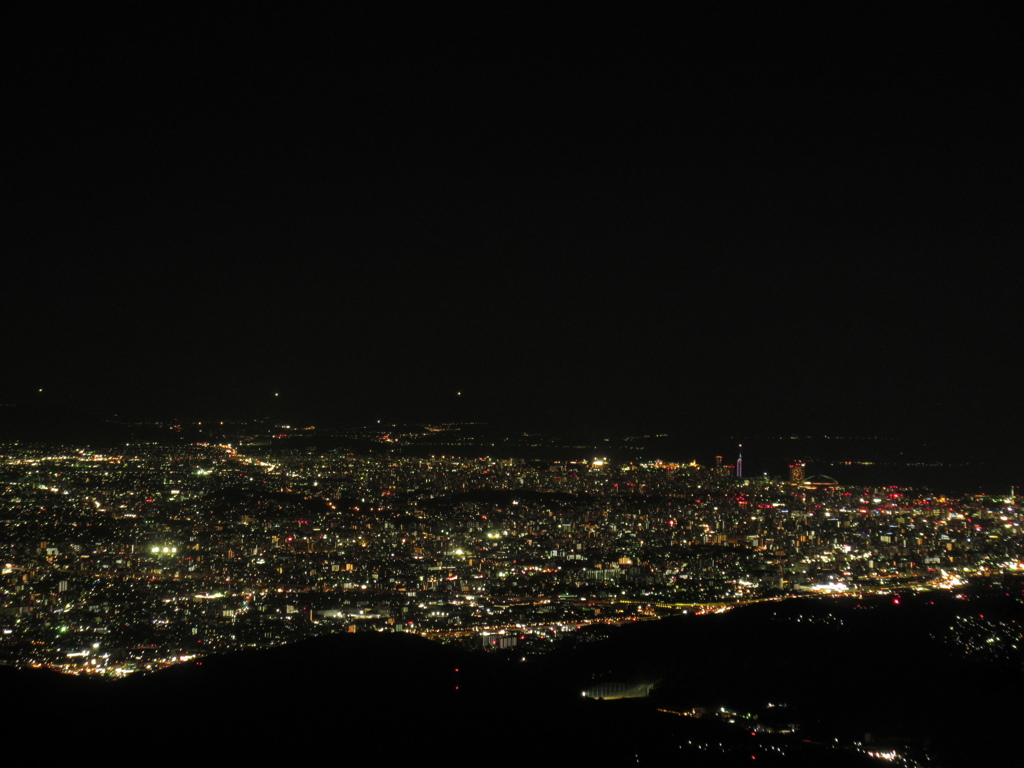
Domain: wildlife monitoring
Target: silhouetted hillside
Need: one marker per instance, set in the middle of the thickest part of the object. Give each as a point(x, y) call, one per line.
point(844, 670)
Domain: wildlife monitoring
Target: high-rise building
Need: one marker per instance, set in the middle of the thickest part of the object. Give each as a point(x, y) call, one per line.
point(722, 470)
point(796, 472)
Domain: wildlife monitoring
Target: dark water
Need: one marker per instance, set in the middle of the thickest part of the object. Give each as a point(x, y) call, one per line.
point(945, 468)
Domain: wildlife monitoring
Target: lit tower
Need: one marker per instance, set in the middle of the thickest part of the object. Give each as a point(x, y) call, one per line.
point(739, 463)
point(796, 472)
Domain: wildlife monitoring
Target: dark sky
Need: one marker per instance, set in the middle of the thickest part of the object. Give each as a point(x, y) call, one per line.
point(798, 221)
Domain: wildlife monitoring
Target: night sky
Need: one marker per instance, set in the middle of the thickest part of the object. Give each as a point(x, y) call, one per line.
point(585, 217)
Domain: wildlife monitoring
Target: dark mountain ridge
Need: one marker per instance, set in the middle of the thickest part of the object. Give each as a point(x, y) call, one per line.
point(877, 670)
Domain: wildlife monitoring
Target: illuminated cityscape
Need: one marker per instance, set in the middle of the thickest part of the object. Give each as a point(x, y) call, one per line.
point(514, 384)
point(123, 561)
point(174, 554)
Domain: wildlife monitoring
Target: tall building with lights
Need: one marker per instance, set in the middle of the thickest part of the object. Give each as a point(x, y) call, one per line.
point(796, 472)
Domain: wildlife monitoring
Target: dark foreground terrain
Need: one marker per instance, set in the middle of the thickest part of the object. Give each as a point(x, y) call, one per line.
point(934, 678)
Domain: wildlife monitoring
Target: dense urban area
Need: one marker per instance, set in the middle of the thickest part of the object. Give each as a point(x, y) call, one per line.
point(117, 561)
point(156, 553)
